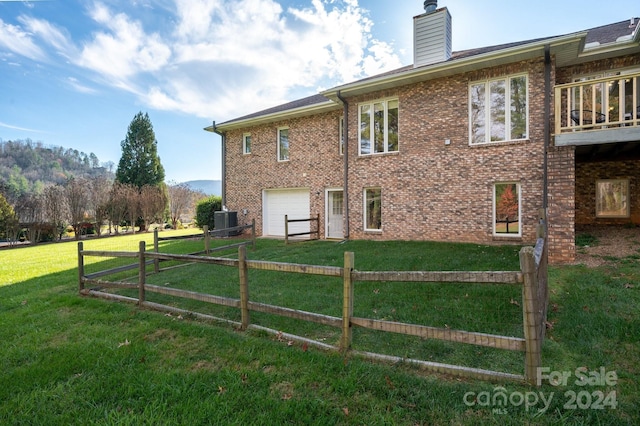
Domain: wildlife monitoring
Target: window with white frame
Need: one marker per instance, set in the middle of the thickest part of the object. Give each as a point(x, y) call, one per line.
point(612, 198)
point(506, 209)
point(372, 209)
point(246, 143)
point(378, 123)
point(283, 144)
point(498, 110)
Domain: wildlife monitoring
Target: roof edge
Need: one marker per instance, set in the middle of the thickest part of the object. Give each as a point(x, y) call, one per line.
point(452, 65)
point(325, 106)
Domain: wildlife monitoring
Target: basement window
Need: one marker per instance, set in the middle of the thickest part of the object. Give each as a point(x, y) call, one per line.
point(612, 198)
point(373, 209)
point(506, 210)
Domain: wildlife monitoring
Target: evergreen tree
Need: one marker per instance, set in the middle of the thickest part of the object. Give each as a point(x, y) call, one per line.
point(8, 218)
point(140, 164)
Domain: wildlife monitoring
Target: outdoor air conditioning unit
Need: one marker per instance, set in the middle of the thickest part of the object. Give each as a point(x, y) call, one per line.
point(225, 220)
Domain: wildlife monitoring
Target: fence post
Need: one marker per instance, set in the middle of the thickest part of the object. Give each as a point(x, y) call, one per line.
point(80, 268)
point(142, 273)
point(533, 343)
point(156, 248)
point(286, 229)
point(244, 286)
point(207, 239)
point(347, 301)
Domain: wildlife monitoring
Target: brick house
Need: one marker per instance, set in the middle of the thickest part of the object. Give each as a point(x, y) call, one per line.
point(460, 146)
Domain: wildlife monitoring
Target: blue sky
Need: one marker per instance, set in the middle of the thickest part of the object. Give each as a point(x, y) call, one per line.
point(75, 73)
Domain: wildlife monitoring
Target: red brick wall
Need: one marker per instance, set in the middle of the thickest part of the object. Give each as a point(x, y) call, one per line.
point(429, 191)
point(433, 191)
point(561, 209)
point(314, 162)
point(586, 176)
point(566, 74)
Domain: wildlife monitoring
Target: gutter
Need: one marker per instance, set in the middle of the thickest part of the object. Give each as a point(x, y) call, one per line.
point(547, 128)
point(345, 154)
point(223, 135)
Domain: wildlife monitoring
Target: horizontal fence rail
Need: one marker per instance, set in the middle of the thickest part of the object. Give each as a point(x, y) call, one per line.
point(288, 234)
point(479, 339)
point(533, 308)
point(442, 277)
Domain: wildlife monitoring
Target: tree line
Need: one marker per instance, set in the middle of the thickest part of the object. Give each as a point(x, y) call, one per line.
point(136, 196)
point(28, 167)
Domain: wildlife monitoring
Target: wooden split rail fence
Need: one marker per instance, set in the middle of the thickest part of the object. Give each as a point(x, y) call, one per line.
point(531, 278)
point(287, 234)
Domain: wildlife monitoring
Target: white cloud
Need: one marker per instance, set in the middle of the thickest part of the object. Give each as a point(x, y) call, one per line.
point(216, 58)
point(23, 129)
point(269, 53)
point(122, 49)
point(50, 34)
point(194, 18)
point(20, 42)
point(78, 87)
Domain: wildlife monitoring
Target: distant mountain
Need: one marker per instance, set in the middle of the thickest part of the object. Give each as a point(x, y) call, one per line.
point(208, 187)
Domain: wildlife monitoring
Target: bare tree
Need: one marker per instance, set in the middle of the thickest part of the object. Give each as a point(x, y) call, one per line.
point(77, 196)
point(100, 187)
point(181, 199)
point(132, 196)
point(28, 209)
point(55, 208)
point(117, 207)
point(152, 203)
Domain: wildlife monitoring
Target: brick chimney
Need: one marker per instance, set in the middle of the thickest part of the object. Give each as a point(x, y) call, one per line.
point(431, 35)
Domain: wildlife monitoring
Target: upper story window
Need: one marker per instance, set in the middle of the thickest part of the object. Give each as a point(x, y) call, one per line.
point(246, 143)
point(283, 144)
point(378, 122)
point(498, 110)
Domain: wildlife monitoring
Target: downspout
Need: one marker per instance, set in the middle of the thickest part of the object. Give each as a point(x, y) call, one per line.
point(547, 127)
point(224, 163)
point(345, 155)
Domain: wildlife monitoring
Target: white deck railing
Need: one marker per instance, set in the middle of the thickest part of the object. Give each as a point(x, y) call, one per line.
point(602, 103)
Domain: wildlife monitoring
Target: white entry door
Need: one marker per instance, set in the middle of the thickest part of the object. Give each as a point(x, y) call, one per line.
point(335, 209)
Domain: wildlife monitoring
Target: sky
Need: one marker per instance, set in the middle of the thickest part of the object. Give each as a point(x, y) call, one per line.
point(74, 73)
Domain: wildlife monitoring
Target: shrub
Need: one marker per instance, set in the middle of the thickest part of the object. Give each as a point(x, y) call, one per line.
point(205, 210)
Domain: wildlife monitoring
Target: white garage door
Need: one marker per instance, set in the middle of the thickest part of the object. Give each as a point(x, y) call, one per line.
point(281, 202)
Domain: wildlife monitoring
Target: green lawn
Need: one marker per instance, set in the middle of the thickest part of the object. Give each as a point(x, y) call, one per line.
point(74, 360)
